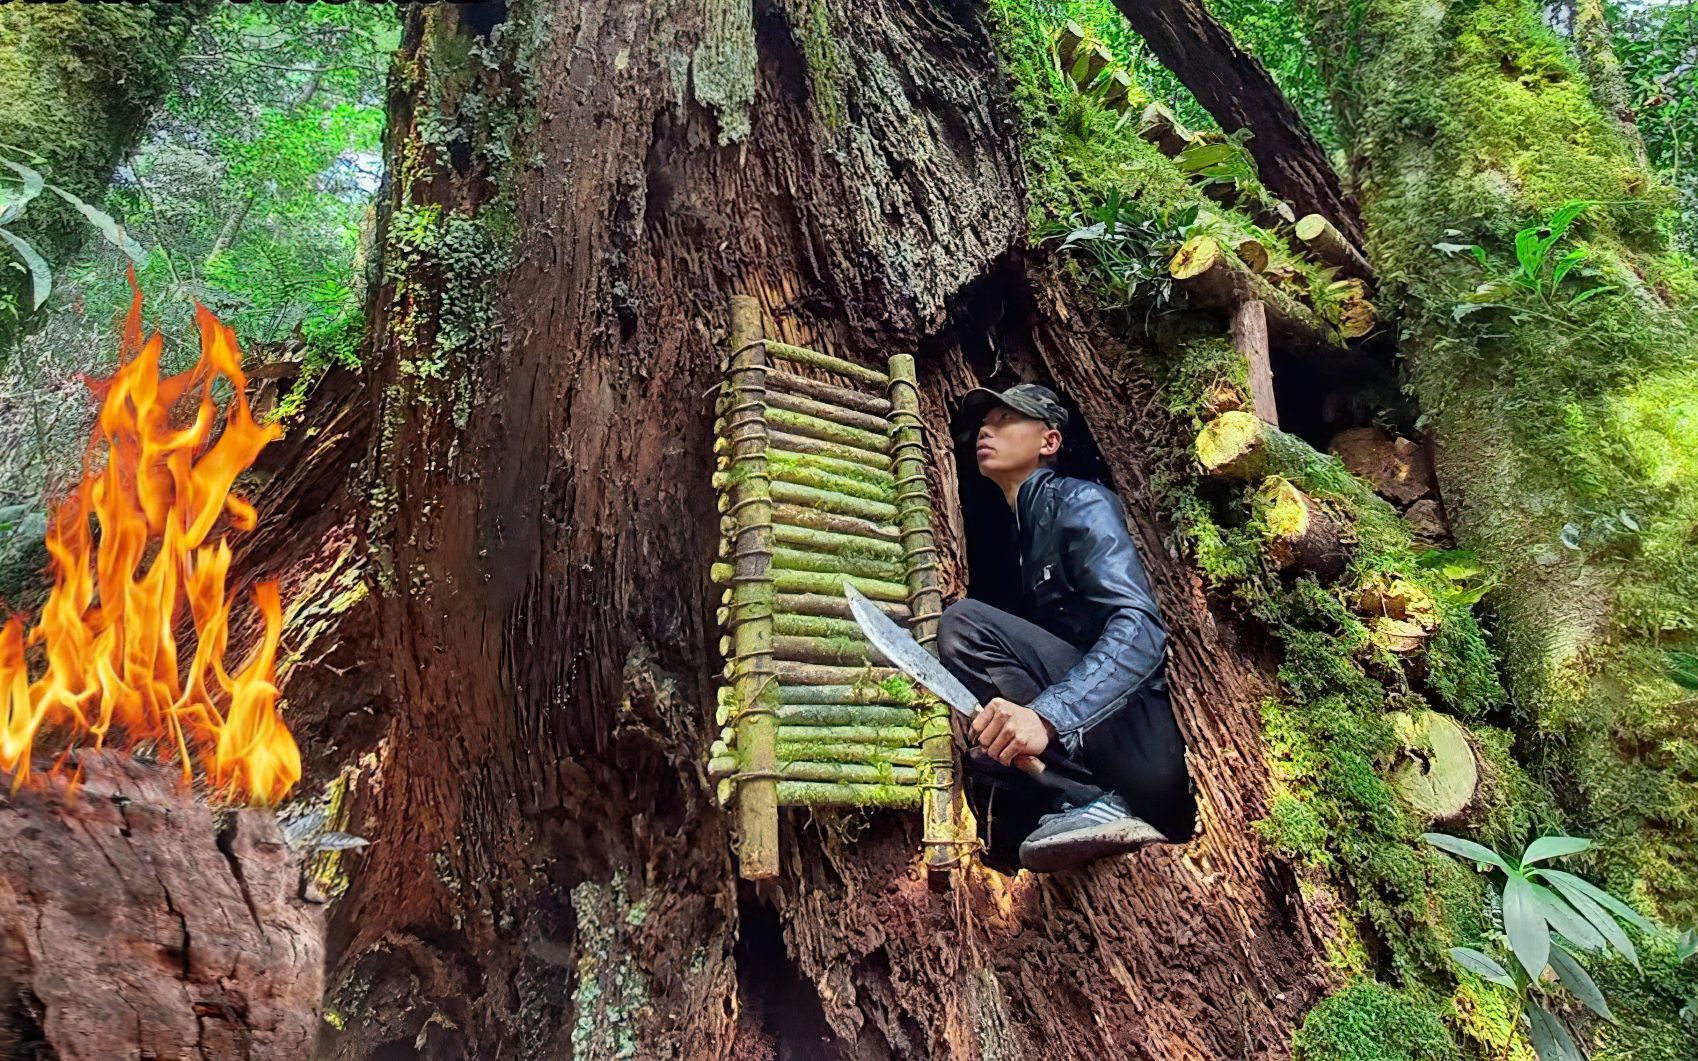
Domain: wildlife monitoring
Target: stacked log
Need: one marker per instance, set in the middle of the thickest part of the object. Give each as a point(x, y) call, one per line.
point(830, 491)
point(1439, 773)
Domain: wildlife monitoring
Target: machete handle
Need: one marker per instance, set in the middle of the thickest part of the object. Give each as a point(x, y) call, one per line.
point(1031, 764)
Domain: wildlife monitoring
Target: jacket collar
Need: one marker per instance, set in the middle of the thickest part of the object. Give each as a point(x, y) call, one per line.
point(1026, 498)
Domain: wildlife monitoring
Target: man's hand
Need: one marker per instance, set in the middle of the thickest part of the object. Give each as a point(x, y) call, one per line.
point(1009, 732)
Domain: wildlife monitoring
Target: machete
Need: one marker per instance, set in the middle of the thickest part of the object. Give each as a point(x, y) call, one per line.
point(900, 648)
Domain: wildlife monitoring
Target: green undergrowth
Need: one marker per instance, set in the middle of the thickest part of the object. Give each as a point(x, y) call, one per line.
point(1566, 430)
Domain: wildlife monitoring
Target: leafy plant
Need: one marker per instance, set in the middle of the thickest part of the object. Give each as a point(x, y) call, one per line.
point(1130, 242)
point(1539, 272)
point(1462, 572)
point(1683, 671)
point(1547, 917)
point(13, 202)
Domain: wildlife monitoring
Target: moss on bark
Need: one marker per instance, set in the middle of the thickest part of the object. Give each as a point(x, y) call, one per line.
point(1564, 430)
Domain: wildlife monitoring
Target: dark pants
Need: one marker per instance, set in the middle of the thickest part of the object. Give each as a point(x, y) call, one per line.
point(1137, 751)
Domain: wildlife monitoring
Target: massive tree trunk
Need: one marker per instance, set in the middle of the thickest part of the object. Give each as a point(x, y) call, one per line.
point(574, 195)
point(1564, 429)
point(1240, 94)
point(76, 84)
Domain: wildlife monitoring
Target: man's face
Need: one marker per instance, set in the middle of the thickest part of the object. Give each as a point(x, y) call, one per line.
point(1010, 442)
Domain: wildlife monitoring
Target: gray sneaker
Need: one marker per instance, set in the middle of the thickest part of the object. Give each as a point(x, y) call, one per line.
point(1077, 835)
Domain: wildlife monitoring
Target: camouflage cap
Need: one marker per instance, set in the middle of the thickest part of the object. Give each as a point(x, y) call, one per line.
point(1028, 399)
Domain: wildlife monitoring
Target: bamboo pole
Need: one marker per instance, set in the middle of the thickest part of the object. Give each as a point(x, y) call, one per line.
point(826, 430)
point(784, 625)
point(836, 523)
point(837, 414)
point(844, 705)
point(822, 447)
point(827, 542)
point(846, 753)
point(751, 664)
point(852, 773)
point(794, 673)
point(863, 473)
point(819, 794)
point(834, 605)
point(887, 736)
point(814, 359)
point(832, 501)
point(798, 474)
point(832, 563)
point(941, 805)
point(860, 401)
point(834, 650)
point(826, 582)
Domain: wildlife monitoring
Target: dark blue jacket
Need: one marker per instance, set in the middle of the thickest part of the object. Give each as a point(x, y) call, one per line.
point(1081, 580)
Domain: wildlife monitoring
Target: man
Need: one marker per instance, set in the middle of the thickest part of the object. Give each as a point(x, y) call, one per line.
point(1078, 682)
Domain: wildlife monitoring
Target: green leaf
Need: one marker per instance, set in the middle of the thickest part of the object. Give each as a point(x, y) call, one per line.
point(1584, 295)
point(1553, 847)
point(33, 181)
point(1466, 849)
point(1565, 216)
point(1600, 919)
point(1562, 917)
point(1524, 923)
point(1482, 965)
point(1683, 668)
point(109, 228)
point(1551, 1040)
point(1568, 261)
point(1568, 883)
point(40, 276)
point(1579, 981)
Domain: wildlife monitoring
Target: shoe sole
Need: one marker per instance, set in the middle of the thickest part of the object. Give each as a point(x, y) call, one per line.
point(1079, 846)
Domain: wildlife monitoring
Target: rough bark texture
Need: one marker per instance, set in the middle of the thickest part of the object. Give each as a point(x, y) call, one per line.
point(548, 873)
point(133, 925)
point(1235, 88)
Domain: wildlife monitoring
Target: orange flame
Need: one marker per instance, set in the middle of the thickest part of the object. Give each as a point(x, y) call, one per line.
point(107, 632)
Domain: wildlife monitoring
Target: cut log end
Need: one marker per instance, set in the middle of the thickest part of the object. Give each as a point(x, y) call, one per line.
point(1301, 536)
point(1229, 444)
point(1439, 772)
point(1401, 614)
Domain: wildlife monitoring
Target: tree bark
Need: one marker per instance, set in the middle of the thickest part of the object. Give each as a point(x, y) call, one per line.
point(136, 927)
point(1240, 94)
point(548, 872)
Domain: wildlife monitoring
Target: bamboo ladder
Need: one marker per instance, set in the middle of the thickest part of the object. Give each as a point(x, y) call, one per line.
point(821, 484)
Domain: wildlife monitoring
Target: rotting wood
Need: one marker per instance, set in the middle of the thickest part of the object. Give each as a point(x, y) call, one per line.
point(1401, 615)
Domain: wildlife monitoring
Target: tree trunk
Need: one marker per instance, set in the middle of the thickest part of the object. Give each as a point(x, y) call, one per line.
point(1562, 429)
point(76, 84)
point(137, 927)
point(572, 201)
point(1235, 88)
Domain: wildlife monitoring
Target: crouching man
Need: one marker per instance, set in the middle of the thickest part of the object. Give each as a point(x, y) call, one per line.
point(1079, 681)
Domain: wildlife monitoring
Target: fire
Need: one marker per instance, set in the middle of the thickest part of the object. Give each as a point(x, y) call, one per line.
point(112, 672)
